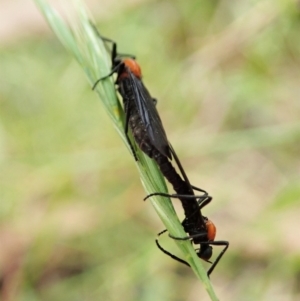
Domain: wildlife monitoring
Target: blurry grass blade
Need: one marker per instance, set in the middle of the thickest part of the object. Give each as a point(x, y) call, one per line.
point(90, 53)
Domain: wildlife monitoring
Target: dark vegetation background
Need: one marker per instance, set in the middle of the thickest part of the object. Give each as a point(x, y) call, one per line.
point(73, 225)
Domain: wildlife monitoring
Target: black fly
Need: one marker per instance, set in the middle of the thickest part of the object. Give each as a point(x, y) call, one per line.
point(143, 119)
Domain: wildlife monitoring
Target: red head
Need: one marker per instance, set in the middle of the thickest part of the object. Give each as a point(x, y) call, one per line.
point(206, 251)
point(133, 66)
point(211, 230)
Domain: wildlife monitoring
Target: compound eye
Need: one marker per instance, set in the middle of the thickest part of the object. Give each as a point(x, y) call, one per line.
point(206, 253)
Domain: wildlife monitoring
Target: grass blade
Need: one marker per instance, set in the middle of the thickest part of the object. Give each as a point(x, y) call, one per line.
point(82, 42)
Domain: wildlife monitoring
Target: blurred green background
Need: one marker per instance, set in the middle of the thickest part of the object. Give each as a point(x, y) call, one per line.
point(73, 224)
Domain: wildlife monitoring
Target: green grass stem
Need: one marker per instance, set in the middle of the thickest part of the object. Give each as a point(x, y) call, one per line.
point(83, 43)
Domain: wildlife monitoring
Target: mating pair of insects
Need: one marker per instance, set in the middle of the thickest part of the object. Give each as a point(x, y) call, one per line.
point(142, 117)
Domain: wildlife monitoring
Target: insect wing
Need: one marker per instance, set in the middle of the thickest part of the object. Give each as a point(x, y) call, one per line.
point(150, 117)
